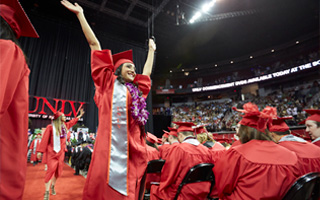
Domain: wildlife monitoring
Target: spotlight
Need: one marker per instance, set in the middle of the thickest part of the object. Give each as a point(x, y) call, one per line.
point(297, 42)
point(272, 50)
point(251, 56)
point(196, 68)
point(231, 61)
point(182, 70)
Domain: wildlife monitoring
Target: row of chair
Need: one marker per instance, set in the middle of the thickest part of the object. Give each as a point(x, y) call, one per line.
point(306, 187)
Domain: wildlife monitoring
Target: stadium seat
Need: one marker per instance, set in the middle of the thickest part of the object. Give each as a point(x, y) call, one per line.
point(306, 187)
point(198, 173)
point(154, 166)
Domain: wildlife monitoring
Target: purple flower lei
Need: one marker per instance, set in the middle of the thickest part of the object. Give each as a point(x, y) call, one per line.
point(138, 108)
point(63, 132)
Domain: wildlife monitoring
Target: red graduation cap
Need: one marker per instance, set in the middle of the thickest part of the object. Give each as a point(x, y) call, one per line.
point(13, 13)
point(159, 140)
point(166, 134)
point(279, 125)
point(200, 129)
point(122, 57)
point(315, 115)
point(151, 138)
point(254, 118)
point(184, 126)
point(173, 131)
point(57, 114)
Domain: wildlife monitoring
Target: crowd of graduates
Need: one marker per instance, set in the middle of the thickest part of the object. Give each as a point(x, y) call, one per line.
point(263, 164)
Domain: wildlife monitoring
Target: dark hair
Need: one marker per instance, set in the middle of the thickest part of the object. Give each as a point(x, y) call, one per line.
point(118, 73)
point(282, 133)
point(318, 124)
point(186, 133)
point(7, 33)
point(248, 133)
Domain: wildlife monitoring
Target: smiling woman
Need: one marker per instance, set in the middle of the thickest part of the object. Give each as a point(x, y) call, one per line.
point(120, 157)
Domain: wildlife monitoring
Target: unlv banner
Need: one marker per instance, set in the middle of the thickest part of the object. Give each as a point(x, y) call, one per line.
point(44, 108)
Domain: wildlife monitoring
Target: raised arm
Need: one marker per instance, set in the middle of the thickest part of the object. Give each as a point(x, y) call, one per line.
point(147, 69)
point(89, 34)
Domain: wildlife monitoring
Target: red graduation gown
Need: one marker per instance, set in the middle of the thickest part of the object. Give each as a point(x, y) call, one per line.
point(54, 160)
point(236, 143)
point(152, 153)
point(258, 169)
point(316, 143)
point(96, 186)
point(308, 155)
point(164, 149)
point(180, 159)
point(34, 153)
point(14, 105)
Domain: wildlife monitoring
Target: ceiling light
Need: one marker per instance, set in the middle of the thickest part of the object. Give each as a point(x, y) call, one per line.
point(186, 73)
point(216, 65)
point(183, 70)
point(170, 71)
point(297, 42)
point(272, 50)
point(251, 56)
point(196, 68)
point(231, 61)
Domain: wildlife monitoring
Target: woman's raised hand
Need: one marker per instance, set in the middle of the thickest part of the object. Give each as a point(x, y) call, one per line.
point(152, 45)
point(76, 8)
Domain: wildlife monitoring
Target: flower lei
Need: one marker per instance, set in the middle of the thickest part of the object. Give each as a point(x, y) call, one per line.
point(63, 132)
point(138, 108)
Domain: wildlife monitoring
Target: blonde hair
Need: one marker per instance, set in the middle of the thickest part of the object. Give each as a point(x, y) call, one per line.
point(57, 123)
point(248, 133)
point(202, 137)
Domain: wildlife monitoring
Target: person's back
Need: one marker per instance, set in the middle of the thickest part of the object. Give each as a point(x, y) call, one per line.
point(308, 153)
point(180, 160)
point(258, 169)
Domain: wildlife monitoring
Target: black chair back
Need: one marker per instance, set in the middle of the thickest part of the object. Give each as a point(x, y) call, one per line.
point(199, 173)
point(154, 166)
point(306, 187)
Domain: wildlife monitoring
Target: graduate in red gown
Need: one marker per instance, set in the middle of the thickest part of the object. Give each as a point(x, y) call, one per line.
point(14, 99)
point(180, 159)
point(120, 156)
point(35, 145)
point(54, 143)
point(173, 140)
point(258, 168)
point(165, 144)
point(308, 154)
point(313, 126)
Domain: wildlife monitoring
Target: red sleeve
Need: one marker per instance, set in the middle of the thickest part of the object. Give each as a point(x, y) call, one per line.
point(226, 177)
point(72, 122)
point(144, 84)
point(101, 71)
point(45, 139)
point(12, 67)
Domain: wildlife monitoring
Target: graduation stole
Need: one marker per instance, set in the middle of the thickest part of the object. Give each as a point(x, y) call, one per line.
point(119, 145)
point(35, 145)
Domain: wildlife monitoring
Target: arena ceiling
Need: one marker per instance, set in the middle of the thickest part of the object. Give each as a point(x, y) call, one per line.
point(229, 29)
